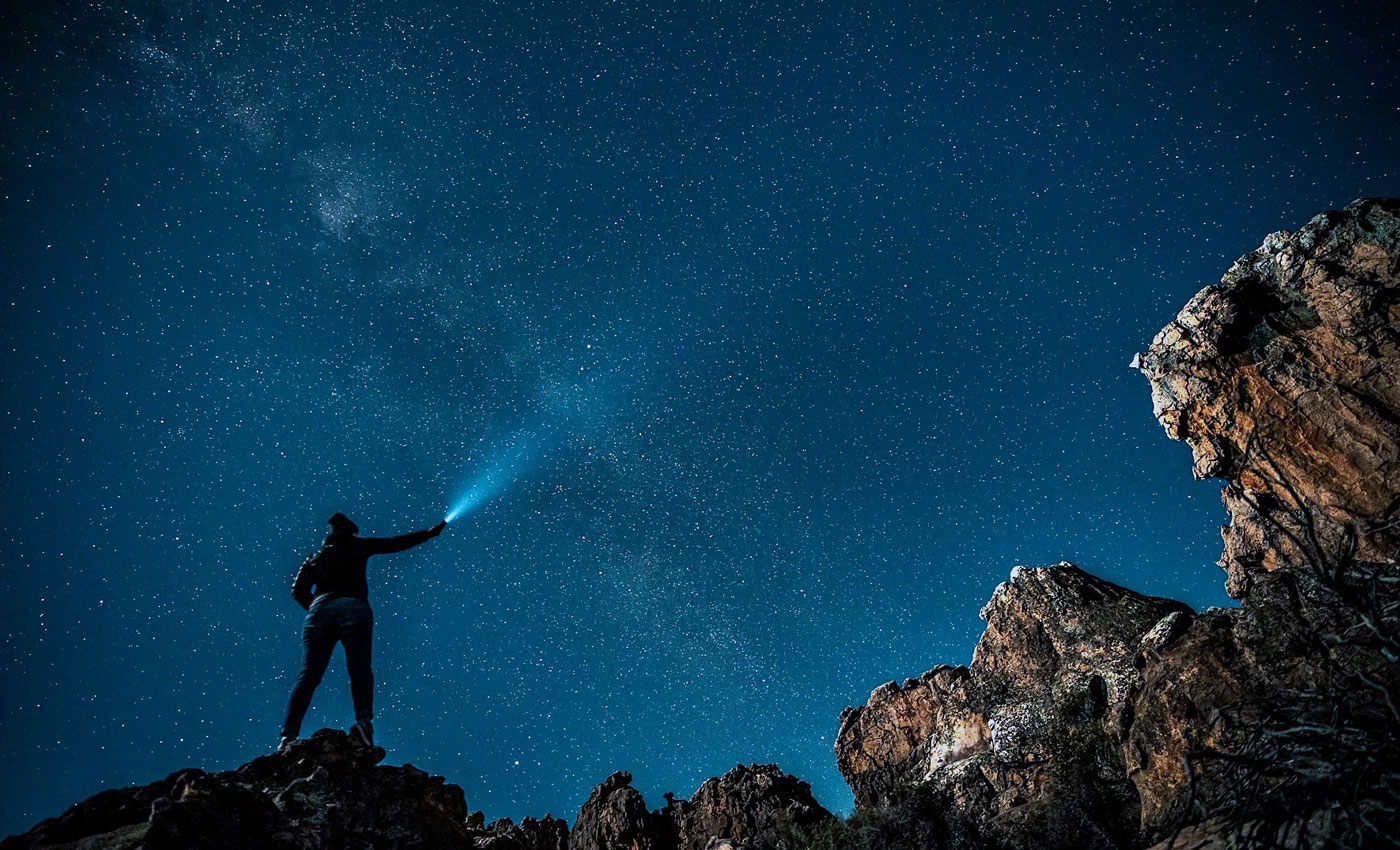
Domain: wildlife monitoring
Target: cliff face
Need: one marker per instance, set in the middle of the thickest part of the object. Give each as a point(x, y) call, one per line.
point(1092, 716)
point(1024, 744)
point(1285, 381)
point(746, 807)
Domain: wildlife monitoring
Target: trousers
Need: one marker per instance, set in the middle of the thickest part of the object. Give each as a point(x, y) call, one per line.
point(349, 622)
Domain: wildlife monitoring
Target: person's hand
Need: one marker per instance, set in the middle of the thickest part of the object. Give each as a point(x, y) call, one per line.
point(437, 529)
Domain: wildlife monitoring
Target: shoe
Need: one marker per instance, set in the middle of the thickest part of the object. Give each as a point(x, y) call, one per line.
point(362, 733)
point(285, 744)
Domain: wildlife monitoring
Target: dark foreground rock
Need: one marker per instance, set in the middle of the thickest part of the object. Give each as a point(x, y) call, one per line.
point(749, 808)
point(327, 794)
point(323, 794)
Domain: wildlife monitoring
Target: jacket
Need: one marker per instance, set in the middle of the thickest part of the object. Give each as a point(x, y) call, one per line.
point(338, 569)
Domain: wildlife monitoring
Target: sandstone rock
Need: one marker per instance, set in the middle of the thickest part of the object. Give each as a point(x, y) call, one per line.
point(748, 808)
point(323, 793)
point(904, 733)
point(1284, 380)
point(1024, 744)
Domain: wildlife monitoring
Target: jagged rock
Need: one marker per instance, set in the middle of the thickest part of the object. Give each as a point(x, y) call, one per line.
point(616, 817)
point(904, 733)
point(744, 807)
point(1284, 380)
point(549, 833)
point(1238, 724)
point(1024, 744)
point(748, 808)
point(1192, 669)
point(324, 793)
point(217, 812)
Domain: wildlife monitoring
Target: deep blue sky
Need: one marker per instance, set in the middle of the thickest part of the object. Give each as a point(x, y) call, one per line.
point(804, 324)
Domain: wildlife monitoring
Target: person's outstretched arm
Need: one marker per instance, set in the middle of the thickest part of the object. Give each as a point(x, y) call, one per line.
point(385, 545)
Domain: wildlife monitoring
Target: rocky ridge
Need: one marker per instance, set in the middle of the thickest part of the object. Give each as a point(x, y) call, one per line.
point(745, 807)
point(322, 793)
point(1094, 717)
point(1038, 715)
point(1090, 716)
point(325, 793)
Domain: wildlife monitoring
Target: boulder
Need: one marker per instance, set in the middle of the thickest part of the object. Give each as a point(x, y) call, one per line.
point(750, 807)
point(1025, 744)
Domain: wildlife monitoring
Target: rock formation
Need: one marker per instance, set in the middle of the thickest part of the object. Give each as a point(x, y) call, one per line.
point(1285, 381)
point(1234, 726)
point(615, 815)
point(748, 807)
point(1025, 742)
point(324, 793)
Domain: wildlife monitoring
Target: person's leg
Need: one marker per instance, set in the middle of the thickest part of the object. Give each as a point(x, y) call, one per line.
point(319, 641)
point(357, 634)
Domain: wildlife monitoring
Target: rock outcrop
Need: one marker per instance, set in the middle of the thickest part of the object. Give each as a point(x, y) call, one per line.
point(1284, 380)
point(324, 793)
point(748, 808)
point(1274, 722)
point(1024, 744)
point(616, 816)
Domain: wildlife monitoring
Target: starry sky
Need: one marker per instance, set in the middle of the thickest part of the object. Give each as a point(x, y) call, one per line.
point(776, 335)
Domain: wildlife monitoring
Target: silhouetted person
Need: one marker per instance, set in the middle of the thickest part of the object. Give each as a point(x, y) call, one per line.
point(331, 587)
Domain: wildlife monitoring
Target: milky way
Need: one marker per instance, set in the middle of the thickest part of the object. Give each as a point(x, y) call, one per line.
point(773, 336)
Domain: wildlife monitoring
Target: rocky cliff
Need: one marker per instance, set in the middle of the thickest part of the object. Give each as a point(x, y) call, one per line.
point(1027, 737)
point(1283, 381)
point(1090, 716)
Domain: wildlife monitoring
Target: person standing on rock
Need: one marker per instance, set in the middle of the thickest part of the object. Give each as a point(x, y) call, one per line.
point(331, 586)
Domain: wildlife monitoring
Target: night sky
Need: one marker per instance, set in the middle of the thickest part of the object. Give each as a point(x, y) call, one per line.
point(781, 332)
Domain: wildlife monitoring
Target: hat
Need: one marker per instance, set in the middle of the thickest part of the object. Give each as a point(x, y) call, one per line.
point(341, 522)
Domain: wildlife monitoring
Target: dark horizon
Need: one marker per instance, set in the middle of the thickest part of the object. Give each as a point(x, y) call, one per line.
point(774, 337)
